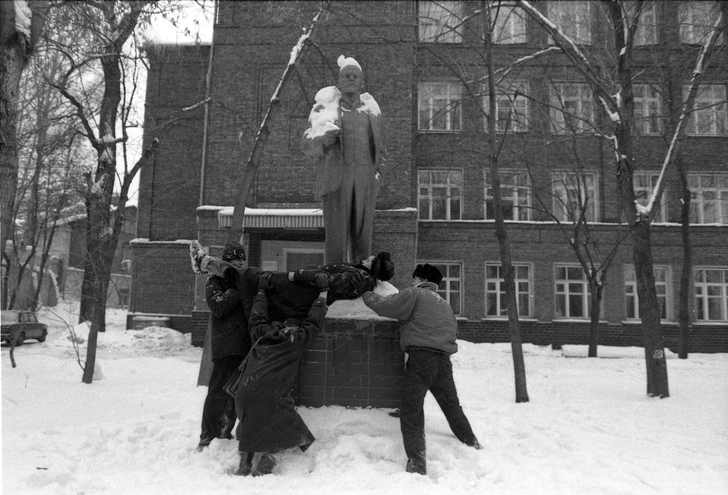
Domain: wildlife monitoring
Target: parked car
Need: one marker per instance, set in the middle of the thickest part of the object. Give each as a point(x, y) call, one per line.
point(21, 325)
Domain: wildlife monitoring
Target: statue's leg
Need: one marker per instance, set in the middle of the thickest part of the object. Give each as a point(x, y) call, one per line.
point(337, 214)
point(362, 228)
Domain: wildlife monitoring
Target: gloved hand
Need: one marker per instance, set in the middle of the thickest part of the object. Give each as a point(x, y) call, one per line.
point(330, 137)
point(264, 281)
point(322, 281)
point(358, 282)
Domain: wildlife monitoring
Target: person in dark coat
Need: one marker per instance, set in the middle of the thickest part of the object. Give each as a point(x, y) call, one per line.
point(269, 422)
point(230, 343)
point(347, 280)
point(427, 336)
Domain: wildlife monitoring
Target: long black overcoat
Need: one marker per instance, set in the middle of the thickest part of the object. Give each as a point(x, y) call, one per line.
point(268, 418)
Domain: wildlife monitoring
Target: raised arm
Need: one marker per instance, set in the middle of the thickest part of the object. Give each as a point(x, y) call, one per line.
point(220, 299)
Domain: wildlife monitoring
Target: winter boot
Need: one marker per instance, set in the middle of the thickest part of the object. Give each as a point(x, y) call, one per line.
point(204, 443)
point(266, 464)
point(473, 443)
point(416, 468)
point(246, 464)
point(197, 254)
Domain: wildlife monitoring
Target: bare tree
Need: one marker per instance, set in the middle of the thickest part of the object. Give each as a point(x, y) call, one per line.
point(20, 26)
point(500, 228)
point(95, 83)
point(619, 106)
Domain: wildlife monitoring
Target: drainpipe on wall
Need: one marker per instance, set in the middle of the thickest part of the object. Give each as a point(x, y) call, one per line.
point(207, 107)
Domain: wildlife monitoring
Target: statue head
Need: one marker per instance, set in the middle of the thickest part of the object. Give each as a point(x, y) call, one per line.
point(351, 76)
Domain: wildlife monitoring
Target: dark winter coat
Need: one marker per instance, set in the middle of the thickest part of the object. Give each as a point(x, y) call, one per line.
point(347, 281)
point(264, 405)
point(427, 319)
point(228, 325)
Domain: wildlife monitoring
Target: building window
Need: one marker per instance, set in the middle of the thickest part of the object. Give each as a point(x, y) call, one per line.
point(662, 285)
point(496, 303)
point(515, 195)
point(572, 108)
point(573, 19)
point(575, 196)
point(123, 298)
point(647, 28)
point(441, 22)
point(644, 183)
point(439, 106)
point(708, 117)
point(572, 292)
point(647, 109)
point(509, 23)
point(451, 286)
point(697, 20)
point(711, 294)
point(440, 194)
point(709, 201)
point(511, 105)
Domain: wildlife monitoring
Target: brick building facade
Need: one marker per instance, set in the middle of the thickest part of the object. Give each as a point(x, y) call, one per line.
point(435, 205)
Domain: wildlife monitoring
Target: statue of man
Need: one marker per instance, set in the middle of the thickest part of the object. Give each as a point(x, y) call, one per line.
point(346, 136)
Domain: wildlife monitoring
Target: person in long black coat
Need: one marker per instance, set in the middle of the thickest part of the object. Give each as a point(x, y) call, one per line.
point(269, 422)
point(230, 343)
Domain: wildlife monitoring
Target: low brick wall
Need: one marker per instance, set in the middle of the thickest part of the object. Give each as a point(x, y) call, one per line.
point(356, 363)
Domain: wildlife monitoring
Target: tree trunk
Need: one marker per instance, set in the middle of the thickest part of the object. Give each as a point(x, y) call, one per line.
point(657, 385)
point(501, 234)
point(686, 278)
point(13, 59)
point(15, 49)
point(595, 288)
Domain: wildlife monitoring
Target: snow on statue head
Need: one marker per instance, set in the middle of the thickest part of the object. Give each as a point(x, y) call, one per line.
point(346, 61)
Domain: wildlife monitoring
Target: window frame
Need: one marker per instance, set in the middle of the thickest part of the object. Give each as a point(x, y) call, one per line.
point(712, 106)
point(449, 198)
point(647, 113)
point(512, 21)
point(499, 291)
point(561, 209)
point(516, 94)
point(630, 292)
point(647, 33)
point(689, 17)
point(584, 114)
point(567, 28)
point(447, 280)
point(702, 296)
point(698, 194)
point(516, 206)
point(445, 33)
point(566, 293)
point(451, 112)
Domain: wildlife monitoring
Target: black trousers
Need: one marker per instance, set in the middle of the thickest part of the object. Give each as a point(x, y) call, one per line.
point(218, 413)
point(429, 370)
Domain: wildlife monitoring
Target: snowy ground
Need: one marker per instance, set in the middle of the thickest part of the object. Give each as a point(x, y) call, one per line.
point(588, 428)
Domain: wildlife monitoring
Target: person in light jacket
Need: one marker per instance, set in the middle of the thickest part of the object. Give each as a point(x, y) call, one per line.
point(427, 335)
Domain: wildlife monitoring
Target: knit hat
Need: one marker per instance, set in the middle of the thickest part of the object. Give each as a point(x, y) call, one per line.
point(233, 251)
point(383, 266)
point(428, 272)
point(344, 61)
